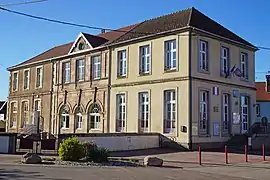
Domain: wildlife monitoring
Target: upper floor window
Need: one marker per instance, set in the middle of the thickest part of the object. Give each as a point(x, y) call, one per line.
point(224, 59)
point(169, 111)
point(122, 63)
point(26, 79)
point(13, 115)
point(244, 65)
point(39, 77)
point(80, 69)
point(15, 81)
point(144, 111)
point(170, 55)
point(96, 64)
point(145, 60)
point(203, 56)
point(66, 72)
point(121, 112)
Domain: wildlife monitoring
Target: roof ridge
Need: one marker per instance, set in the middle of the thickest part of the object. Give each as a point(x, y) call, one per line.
point(172, 13)
point(189, 18)
point(135, 26)
point(216, 22)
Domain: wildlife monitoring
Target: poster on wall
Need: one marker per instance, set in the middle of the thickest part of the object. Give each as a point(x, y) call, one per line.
point(236, 118)
point(215, 129)
point(2, 117)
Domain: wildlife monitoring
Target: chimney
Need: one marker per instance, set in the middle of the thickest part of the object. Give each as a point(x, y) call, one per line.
point(103, 31)
point(267, 88)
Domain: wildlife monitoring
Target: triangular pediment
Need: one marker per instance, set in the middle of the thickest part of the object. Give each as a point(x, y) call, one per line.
point(80, 44)
point(86, 41)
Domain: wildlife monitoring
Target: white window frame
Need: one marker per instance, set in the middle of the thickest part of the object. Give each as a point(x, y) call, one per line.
point(40, 77)
point(204, 111)
point(12, 112)
point(97, 117)
point(80, 70)
point(145, 59)
point(64, 122)
point(66, 72)
point(203, 52)
point(169, 104)
point(169, 51)
point(243, 64)
point(39, 105)
point(258, 110)
point(123, 108)
point(144, 111)
point(225, 57)
point(23, 111)
point(79, 120)
point(96, 63)
point(226, 112)
point(245, 116)
point(122, 63)
point(26, 84)
point(13, 81)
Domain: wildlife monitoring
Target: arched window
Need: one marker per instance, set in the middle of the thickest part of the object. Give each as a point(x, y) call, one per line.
point(94, 116)
point(78, 118)
point(64, 116)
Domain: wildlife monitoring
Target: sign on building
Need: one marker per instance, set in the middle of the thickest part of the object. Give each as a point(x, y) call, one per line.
point(2, 117)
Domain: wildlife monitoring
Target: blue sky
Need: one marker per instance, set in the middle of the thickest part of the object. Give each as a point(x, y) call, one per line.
point(22, 38)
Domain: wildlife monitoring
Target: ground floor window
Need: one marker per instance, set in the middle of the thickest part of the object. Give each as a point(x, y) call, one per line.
point(64, 116)
point(226, 112)
point(203, 118)
point(144, 111)
point(169, 111)
point(244, 113)
point(121, 112)
point(94, 116)
point(78, 118)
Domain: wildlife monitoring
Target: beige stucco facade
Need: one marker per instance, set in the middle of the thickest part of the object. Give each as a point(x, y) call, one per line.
point(187, 81)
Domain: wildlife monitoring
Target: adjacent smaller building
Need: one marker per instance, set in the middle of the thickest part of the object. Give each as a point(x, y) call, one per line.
point(3, 115)
point(263, 101)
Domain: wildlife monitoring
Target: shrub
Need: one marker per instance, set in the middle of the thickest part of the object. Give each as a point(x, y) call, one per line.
point(88, 146)
point(98, 155)
point(71, 150)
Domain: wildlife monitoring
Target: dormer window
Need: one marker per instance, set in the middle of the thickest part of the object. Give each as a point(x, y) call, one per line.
point(81, 46)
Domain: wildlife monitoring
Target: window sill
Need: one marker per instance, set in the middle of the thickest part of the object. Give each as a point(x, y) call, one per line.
point(170, 70)
point(79, 81)
point(94, 129)
point(121, 77)
point(64, 128)
point(204, 71)
point(204, 135)
point(144, 74)
point(96, 79)
point(244, 79)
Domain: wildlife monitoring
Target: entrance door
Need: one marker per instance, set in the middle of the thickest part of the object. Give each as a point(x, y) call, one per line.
point(244, 113)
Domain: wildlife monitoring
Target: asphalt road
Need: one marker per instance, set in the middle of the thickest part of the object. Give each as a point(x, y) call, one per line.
point(23, 172)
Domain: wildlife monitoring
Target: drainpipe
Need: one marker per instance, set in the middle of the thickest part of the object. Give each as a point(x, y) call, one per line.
point(109, 89)
point(190, 90)
point(51, 99)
